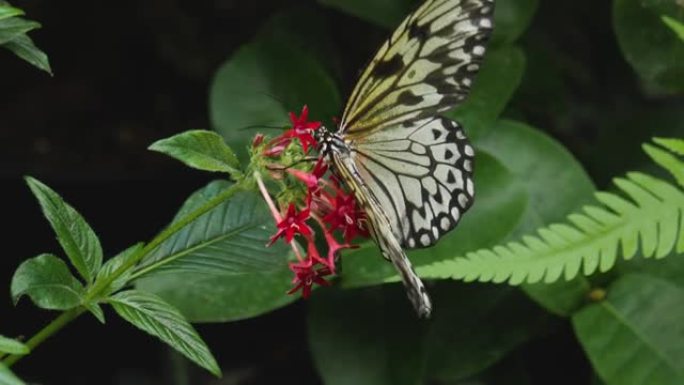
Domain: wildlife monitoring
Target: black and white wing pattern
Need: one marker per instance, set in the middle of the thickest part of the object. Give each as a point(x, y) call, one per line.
point(421, 175)
point(409, 168)
point(426, 66)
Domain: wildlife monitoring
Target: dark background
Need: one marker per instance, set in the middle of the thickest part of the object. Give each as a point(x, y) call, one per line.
point(130, 72)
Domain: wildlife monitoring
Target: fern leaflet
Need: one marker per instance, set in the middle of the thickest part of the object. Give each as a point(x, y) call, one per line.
point(649, 219)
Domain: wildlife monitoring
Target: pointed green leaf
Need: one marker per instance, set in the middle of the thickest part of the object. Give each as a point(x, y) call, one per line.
point(77, 238)
point(47, 280)
point(112, 264)
point(96, 310)
point(7, 11)
point(11, 28)
point(668, 161)
point(674, 25)
point(24, 47)
point(12, 346)
point(635, 336)
point(8, 378)
point(156, 317)
point(200, 149)
point(223, 258)
point(673, 144)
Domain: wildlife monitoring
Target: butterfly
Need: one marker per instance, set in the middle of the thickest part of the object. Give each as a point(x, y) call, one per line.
point(409, 168)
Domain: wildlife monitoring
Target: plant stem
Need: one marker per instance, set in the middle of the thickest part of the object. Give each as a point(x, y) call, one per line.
point(50, 329)
point(100, 287)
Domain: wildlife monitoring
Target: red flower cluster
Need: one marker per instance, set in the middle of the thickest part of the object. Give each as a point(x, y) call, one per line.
point(324, 202)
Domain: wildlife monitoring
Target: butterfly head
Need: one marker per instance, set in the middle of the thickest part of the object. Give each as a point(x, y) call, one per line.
point(328, 142)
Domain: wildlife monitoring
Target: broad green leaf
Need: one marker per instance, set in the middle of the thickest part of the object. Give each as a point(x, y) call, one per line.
point(511, 19)
point(385, 13)
point(635, 336)
point(13, 27)
point(222, 258)
point(7, 11)
point(476, 325)
point(77, 238)
point(200, 149)
point(494, 86)
point(8, 378)
point(521, 147)
point(372, 336)
point(111, 265)
point(264, 80)
point(12, 346)
point(156, 317)
point(47, 280)
point(228, 240)
point(24, 47)
point(223, 298)
point(648, 44)
point(500, 204)
point(365, 337)
point(675, 26)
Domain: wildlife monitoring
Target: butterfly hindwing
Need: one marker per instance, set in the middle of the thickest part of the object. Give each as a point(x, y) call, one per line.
point(426, 66)
point(422, 177)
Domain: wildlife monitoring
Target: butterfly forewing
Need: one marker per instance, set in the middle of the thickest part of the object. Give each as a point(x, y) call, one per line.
point(426, 66)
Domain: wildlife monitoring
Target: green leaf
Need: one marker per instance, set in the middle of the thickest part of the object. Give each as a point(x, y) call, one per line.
point(24, 47)
point(672, 144)
point(200, 149)
point(667, 161)
point(154, 316)
point(385, 13)
point(8, 378)
point(372, 336)
point(649, 46)
point(674, 25)
point(96, 310)
point(500, 204)
point(494, 86)
point(520, 147)
point(10, 28)
point(261, 83)
point(365, 337)
point(591, 240)
point(116, 262)
point(12, 346)
point(47, 280)
point(635, 336)
point(511, 19)
point(222, 257)
point(474, 326)
point(77, 238)
point(7, 11)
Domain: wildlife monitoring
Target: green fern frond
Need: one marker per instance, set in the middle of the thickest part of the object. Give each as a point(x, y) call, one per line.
point(649, 219)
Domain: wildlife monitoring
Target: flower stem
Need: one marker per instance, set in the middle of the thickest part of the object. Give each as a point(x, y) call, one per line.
point(100, 288)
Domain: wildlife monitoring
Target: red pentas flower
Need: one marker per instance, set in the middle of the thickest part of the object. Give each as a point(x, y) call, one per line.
point(324, 201)
point(293, 223)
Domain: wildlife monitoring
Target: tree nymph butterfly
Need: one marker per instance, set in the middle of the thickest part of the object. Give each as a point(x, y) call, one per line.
point(409, 168)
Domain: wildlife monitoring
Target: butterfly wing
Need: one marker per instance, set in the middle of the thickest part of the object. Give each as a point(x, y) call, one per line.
point(421, 175)
point(426, 66)
point(382, 232)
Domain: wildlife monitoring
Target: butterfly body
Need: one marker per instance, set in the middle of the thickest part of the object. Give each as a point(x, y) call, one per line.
point(409, 168)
